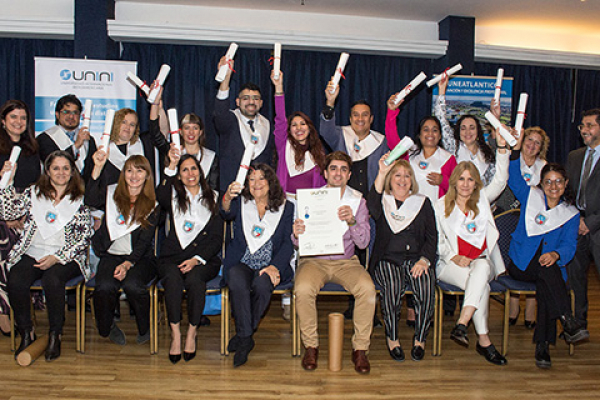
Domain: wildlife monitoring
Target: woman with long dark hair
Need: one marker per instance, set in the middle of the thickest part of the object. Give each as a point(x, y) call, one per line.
point(53, 246)
point(189, 255)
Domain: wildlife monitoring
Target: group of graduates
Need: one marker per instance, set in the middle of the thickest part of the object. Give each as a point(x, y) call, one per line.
point(427, 216)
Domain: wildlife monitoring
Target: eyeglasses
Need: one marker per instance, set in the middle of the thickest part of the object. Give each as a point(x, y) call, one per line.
point(557, 182)
point(586, 126)
point(248, 97)
point(67, 112)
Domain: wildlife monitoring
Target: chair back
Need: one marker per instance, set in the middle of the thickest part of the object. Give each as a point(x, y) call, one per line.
point(506, 223)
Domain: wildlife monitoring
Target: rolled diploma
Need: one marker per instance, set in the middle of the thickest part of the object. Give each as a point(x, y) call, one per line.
point(277, 60)
point(14, 157)
point(228, 57)
point(162, 76)
point(339, 70)
point(139, 83)
point(245, 165)
point(438, 78)
point(87, 114)
point(510, 139)
point(174, 127)
point(498, 87)
point(33, 351)
point(108, 122)
point(521, 113)
point(405, 144)
point(336, 341)
point(410, 87)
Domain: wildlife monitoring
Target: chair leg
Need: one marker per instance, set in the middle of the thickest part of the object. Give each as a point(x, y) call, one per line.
point(440, 320)
point(13, 345)
point(78, 318)
point(224, 321)
point(293, 321)
point(505, 324)
point(82, 311)
point(572, 346)
point(151, 328)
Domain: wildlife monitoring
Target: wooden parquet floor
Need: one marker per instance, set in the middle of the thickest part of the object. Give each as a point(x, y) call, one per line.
point(107, 371)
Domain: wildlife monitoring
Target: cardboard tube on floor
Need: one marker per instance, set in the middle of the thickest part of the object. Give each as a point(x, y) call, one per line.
point(336, 341)
point(35, 349)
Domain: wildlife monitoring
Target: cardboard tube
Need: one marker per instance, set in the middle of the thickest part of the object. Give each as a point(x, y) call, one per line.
point(336, 341)
point(13, 158)
point(31, 353)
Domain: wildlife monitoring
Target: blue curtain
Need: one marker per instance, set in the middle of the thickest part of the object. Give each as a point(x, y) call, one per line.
point(587, 96)
point(17, 69)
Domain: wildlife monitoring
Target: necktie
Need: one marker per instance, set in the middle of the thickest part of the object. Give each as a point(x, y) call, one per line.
point(71, 135)
point(251, 123)
point(587, 168)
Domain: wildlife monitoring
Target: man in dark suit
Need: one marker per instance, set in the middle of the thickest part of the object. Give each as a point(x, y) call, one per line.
point(584, 178)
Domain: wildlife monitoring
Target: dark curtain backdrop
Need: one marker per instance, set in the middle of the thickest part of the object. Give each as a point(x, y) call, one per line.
point(17, 69)
point(587, 96)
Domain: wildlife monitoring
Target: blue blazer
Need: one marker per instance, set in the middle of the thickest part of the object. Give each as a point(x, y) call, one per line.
point(282, 241)
point(563, 239)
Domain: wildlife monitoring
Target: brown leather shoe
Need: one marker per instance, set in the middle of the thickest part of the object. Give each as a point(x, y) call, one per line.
point(361, 362)
point(311, 355)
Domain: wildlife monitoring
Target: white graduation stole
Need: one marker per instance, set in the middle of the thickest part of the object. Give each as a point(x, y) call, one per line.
point(115, 221)
point(50, 218)
point(290, 161)
point(469, 228)
point(59, 137)
point(188, 225)
point(361, 149)
point(423, 167)
point(399, 218)
point(260, 136)
point(539, 220)
point(532, 175)
point(464, 154)
point(208, 156)
point(351, 197)
point(258, 231)
point(118, 159)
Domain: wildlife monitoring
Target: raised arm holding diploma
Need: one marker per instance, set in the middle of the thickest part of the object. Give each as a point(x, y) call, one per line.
point(521, 113)
point(498, 87)
point(139, 83)
point(502, 130)
point(405, 144)
point(14, 157)
point(447, 73)
point(174, 127)
point(410, 87)
point(277, 60)
point(228, 56)
point(87, 114)
point(162, 76)
point(339, 71)
point(323, 234)
point(108, 123)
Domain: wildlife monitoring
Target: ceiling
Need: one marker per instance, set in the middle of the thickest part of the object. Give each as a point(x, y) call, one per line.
point(576, 16)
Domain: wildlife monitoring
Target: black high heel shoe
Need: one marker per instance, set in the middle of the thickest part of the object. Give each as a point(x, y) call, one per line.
point(175, 358)
point(189, 356)
point(513, 321)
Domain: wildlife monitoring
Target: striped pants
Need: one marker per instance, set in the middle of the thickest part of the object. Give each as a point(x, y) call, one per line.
point(393, 281)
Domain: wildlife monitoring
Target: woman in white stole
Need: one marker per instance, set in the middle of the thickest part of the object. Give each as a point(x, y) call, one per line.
point(468, 253)
point(124, 244)
point(405, 248)
point(189, 255)
point(52, 247)
point(543, 243)
point(258, 255)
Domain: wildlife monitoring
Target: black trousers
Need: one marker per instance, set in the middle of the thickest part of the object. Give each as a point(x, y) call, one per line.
point(194, 283)
point(21, 277)
point(106, 292)
point(577, 269)
point(250, 296)
point(551, 295)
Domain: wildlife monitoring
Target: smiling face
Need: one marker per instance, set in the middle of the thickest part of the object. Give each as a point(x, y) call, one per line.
point(15, 123)
point(299, 129)
point(532, 145)
point(590, 131)
point(69, 116)
point(430, 134)
point(191, 133)
point(189, 174)
point(554, 184)
point(258, 185)
point(135, 178)
point(465, 186)
point(401, 183)
point(337, 174)
point(59, 172)
point(361, 119)
point(249, 103)
point(127, 128)
point(468, 131)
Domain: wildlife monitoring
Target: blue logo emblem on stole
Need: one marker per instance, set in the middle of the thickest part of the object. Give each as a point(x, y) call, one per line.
point(472, 227)
point(540, 219)
point(50, 217)
point(356, 147)
point(397, 217)
point(254, 139)
point(120, 219)
point(257, 231)
point(188, 226)
point(423, 164)
point(527, 176)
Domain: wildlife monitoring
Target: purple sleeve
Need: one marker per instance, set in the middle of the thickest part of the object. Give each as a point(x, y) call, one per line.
point(391, 129)
point(446, 172)
point(280, 131)
point(361, 231)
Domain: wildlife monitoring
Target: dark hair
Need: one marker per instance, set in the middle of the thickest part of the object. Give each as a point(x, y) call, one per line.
point(418, 143)
point(488, 154)
point(63, 101)
point(313, 142)
point(276, 194)
point(27, 140)
point(360, 102)
point(568, 196)
point(208, 196)
point(249, 86)
point(145, 202)
point(337, 156)
point(595, 112)
point(191, 119)
point(75, 188)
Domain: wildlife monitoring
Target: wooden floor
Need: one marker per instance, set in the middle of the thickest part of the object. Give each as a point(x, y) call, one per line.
point(108, 371)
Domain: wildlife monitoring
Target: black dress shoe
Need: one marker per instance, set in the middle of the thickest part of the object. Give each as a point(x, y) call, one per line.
point(189, 356)
point(204, 321)
point(417, 353)
point(542, 355)
point(459, 335)
point(376, 322)
point(411, 323)
point(26, 340)
point(53, 349)
point(491, 354)
point(174, 358)
point(574, 330)
point(233, 344)
point(397, 353)
point(245, 347)
point(530, 324)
